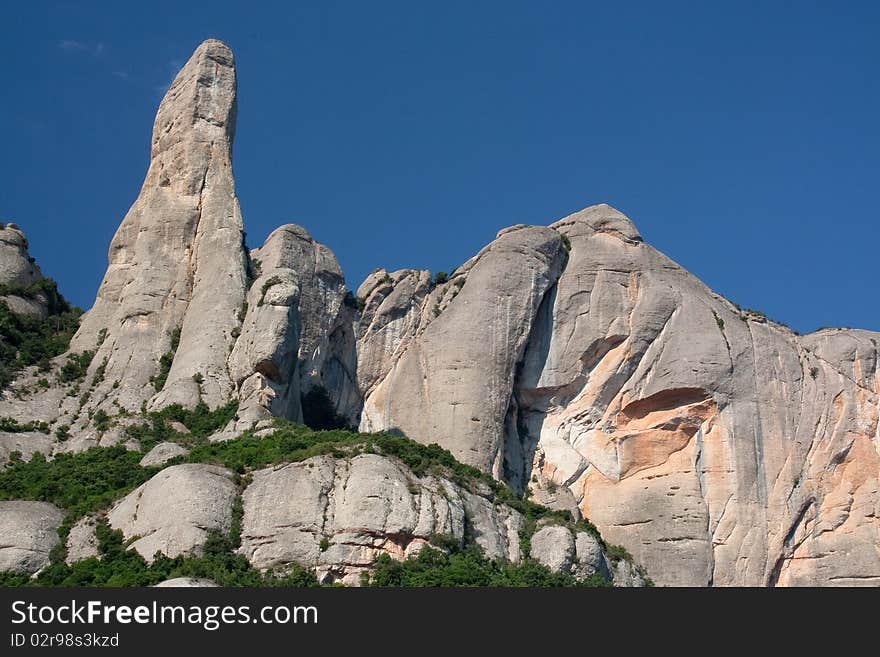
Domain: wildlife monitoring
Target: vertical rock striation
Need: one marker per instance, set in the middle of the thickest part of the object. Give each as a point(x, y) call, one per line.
point(718, 447)
point(453, 383)
point(177, 261)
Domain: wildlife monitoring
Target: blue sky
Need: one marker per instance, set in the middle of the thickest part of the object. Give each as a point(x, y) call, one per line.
point(742, 138)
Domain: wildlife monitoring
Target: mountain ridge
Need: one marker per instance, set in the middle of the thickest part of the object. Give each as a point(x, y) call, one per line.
point(574, 362)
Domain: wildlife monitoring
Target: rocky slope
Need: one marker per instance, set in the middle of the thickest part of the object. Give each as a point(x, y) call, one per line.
point(718, 447)
point(572, 361)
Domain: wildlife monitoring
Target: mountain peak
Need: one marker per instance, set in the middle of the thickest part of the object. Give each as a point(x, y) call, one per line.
point(603, 218)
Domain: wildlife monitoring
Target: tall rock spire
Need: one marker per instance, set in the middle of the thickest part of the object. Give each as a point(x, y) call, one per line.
point(177, 264)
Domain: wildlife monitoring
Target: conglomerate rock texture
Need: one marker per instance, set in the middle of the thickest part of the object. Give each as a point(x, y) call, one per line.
point(18, 271)
point(28, 532)
point(572, 361)
point(716, 446)
point(177, 262)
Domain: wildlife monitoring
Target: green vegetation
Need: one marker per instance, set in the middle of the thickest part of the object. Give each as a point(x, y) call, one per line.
point(272, 280)
point(101, 420)
point(814, 372)
point(26, 341)
point(80, 483)
point(616, 553)
point(566, 243)
point(76, 367)
point(165, 361)
point(46, 288)
point(11, 425)
point(440, 277)
point(90, 481)
point(467, 566)
point(718, 321)
point(121, 567)
point(201, 422)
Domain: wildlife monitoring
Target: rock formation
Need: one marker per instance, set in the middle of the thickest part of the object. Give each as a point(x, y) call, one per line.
point(177, 262)
point(18, 273)
point(201, 497)
point(718, 447)
point(338, 515)
point(457, 390)
point(572, 361)
point(297, 332)
point(28, 532)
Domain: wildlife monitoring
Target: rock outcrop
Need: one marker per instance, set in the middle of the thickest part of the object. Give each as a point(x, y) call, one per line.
point(18, 273)
point(577, 553)
point(187, 583)
point(26, 443)
point(574, 362)
point(173, 512)
point(338, 515)
point(453, 383)
point(297, 332)
point(718, 447)
point(28, 532)
point(162, 453)
point(177, 264)
point(82, 540)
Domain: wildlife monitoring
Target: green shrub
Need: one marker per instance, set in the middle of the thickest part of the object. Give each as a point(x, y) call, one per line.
point(440, 277)
point(101, 420)
point(468, 566)
point(26, 341)
point(11, 425)
point(76, 366)
point(272, 280)
point(165, 362)
point(79, 483)
point(200, 421)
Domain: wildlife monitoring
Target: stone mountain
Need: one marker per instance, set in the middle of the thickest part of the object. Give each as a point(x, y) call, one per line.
point(573, 362)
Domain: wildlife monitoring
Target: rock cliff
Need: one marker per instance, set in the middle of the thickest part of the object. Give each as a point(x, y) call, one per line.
point(573, 362)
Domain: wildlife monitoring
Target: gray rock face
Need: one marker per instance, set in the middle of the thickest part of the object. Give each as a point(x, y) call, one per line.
point(395, 307)
point(453, 383)
point(18, 270)
point(554, 547)
point(187, 582)
point(177, 260)
point(29, 531)
point(299, 331)
point(162, 453)
point(173, 512)
point(338, 515)
point(577, 553)
point(717, 447)
point(82, 541)
point(16, 266)
point(27, 443)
